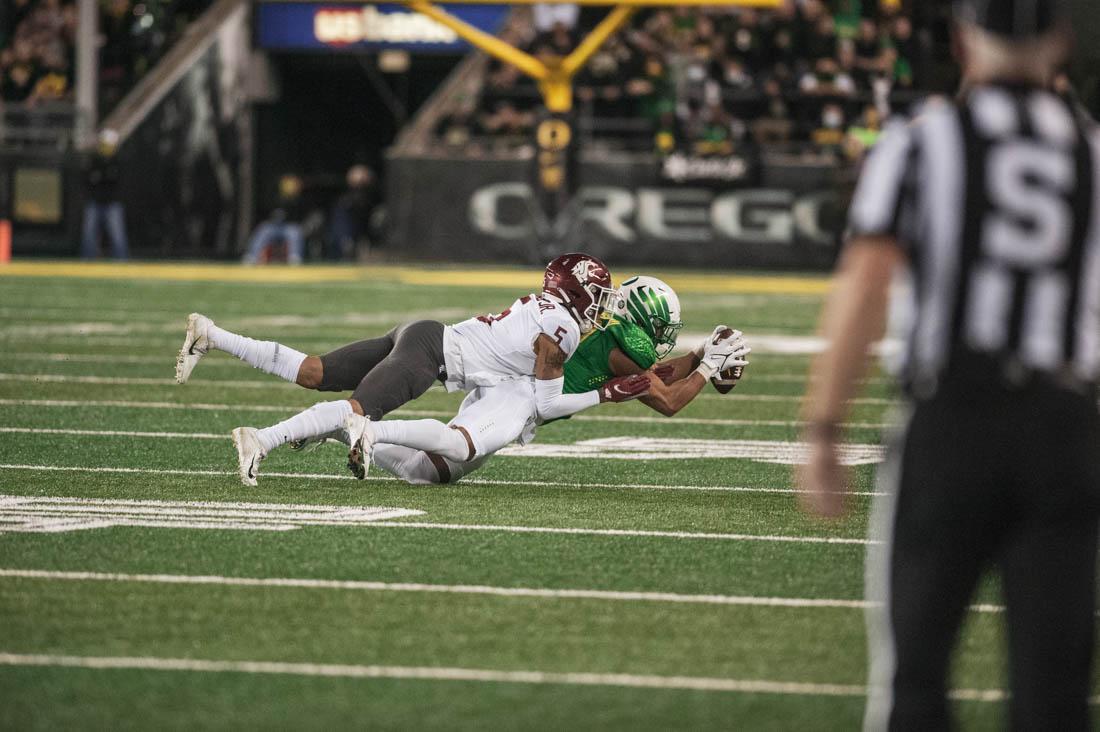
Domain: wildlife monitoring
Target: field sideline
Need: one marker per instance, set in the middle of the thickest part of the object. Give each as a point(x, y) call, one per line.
point(627, 571)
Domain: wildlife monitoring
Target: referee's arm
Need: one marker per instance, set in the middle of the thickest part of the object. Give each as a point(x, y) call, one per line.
point(854, 318)
point(855, 314)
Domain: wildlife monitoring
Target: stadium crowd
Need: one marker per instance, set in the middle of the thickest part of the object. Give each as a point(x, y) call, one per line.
point(706, 79)
point(38, 39)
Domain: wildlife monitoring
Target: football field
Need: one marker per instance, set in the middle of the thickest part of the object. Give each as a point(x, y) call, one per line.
point(627, 571)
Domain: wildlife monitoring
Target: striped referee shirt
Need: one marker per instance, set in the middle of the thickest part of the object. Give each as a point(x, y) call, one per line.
point(994, 199)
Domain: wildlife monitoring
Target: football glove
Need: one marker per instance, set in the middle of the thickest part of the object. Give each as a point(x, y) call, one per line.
point(624, 388)
point(724, 352)
point(700, 349)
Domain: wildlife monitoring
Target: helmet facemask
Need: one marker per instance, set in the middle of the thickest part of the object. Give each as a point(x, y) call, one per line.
point(605, 302)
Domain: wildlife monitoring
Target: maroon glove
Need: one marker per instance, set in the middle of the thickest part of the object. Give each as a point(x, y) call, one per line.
point(665, 373)
point(624, 388)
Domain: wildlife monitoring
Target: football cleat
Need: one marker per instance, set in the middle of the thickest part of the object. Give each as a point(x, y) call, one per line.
point(249, 454)
point(195, 345)
point(361, 439)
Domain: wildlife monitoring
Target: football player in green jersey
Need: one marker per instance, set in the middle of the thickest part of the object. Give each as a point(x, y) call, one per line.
point(642, 332)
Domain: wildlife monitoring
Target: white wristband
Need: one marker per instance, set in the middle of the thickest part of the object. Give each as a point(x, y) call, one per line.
point(706, 370)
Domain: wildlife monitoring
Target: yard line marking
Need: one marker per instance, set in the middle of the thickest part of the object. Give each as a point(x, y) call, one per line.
point(423, 413)
point(667, 448)
point(444, 673)
point(134, 380)
point(114, 433)
point(147, 405)
point(603, 448)
point(107, 358)
point(389, 479)
point(18, 507)
point(48, 514)
point(370, 586)
point(642, 533)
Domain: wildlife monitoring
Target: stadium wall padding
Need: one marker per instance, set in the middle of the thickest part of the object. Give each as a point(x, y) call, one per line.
point(787, 217)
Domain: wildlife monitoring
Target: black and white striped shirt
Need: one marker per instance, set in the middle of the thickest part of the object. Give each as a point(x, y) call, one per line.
point(995, 200)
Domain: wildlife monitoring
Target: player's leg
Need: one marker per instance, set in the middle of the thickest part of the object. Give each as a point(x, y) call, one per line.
point(412, 366)
point(253, 445)
point(339, 370)
point(935, 533)
point(267, 356)
point(489, 419)
point(420, 468)
point(1048, 565)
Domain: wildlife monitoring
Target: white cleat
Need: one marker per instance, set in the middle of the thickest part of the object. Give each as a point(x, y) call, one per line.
point(195, 346)
point(361, 439)
point(249, 454)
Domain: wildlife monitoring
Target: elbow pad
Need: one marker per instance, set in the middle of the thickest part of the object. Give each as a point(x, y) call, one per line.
point(550, 403)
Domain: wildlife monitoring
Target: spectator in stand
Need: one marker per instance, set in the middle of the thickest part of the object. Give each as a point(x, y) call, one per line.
point(830, 132)
point(21, 71)
point(863, 135)
point(104, 209)
point(775, 124)
point(714, 131)
point(349, 220)
point(284, 226)
point(827, 80)
point(905, 44)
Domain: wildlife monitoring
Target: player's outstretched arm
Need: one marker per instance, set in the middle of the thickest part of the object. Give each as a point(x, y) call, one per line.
point(551, 403)
point(666, 396)
point(669, 399)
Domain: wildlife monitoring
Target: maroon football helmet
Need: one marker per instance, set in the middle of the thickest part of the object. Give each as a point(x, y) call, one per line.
point(583, 285)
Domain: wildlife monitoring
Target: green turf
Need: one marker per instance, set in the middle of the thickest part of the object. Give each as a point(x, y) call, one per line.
point(129, 331)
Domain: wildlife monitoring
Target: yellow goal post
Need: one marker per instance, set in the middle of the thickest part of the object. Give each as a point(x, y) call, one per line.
point(555, 79)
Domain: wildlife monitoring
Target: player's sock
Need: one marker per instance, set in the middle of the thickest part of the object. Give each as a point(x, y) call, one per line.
point(269, 356)
point(410, 465)
point(320, 419)
point(428, 435)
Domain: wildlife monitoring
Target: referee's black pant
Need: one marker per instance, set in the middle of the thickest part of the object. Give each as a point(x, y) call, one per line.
point(1008, 480)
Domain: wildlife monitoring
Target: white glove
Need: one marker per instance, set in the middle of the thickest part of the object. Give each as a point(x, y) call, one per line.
point(721, 354)
point(700, 349)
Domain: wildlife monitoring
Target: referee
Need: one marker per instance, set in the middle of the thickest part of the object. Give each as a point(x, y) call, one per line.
point(991, 204)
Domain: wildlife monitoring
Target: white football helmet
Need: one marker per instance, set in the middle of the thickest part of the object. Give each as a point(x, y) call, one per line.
point(654, 307)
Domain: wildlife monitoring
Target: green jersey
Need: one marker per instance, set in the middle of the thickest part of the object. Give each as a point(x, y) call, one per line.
point(589, 366)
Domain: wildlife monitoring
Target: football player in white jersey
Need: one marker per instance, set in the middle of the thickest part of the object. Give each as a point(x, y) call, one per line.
point(643, 331)
point(523, 349)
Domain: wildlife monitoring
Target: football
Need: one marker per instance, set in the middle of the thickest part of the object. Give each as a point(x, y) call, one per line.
point(724, 381)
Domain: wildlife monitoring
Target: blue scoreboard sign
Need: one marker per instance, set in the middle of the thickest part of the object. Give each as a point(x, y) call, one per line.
point(300, 26)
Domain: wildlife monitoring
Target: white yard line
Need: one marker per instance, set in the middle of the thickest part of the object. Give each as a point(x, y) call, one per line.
point(626, 419)
point(388, 479)
point(547, 593)
point(133, 380)
point(113, 359)
point(498, 528)
point(441, 673)
point(692, 535)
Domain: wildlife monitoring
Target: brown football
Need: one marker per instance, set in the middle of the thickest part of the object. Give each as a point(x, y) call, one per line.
point(724, 381)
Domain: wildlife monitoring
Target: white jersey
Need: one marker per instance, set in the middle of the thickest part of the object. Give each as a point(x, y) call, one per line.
point(492, 349)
